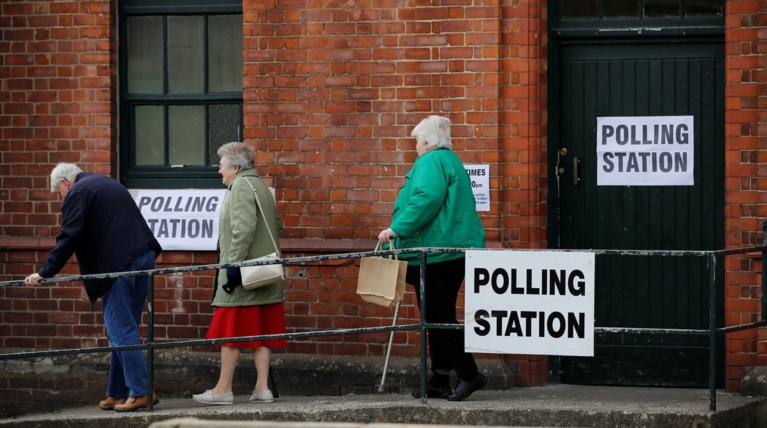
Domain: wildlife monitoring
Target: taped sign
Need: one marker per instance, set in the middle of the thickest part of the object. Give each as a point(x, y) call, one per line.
point(480, 185)
point(182, 219)
point(645, 151)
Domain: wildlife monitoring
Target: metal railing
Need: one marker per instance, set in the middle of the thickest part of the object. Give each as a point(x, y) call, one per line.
point(422, 326)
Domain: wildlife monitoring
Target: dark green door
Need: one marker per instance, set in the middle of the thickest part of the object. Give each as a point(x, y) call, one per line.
point(658, 78)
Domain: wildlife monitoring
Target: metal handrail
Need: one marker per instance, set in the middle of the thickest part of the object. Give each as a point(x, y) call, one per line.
point(151, 345)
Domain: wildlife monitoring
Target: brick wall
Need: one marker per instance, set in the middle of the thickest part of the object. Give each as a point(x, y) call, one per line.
point(745, 157)
point(56, 104)
point(57, 101)
point(331, 94)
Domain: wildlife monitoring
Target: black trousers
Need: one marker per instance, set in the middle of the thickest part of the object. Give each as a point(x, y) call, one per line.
point(446, 347)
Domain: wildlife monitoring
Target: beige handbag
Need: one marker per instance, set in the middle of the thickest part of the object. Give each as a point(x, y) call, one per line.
point(258, 276)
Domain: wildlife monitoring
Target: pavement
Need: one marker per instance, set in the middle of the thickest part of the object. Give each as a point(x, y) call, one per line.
point(547, 406)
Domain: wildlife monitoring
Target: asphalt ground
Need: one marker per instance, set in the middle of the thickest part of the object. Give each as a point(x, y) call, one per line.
point(550, 406)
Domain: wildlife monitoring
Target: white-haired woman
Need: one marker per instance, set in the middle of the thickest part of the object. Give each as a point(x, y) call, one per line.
point(244, 235)
point(435, 208)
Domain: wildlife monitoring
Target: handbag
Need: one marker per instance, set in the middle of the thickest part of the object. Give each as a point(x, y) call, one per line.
point(258, 276)
point(382, 279)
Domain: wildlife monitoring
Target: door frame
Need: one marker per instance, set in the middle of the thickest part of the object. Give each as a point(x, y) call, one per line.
point(561, 34)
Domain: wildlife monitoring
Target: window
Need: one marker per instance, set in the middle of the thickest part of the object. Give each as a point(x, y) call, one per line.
point(181, 90)
point(607, 9)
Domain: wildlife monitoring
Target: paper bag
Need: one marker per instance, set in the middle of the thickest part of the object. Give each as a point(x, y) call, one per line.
point(382, 280)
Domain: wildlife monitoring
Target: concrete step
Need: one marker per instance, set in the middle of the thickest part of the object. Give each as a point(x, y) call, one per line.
point(550, 406)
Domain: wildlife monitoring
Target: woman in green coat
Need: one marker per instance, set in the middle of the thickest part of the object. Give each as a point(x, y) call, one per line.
point(436, 208)
point(244, 234)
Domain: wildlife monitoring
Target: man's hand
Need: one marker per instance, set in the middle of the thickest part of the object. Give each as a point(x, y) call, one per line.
point(33, 279)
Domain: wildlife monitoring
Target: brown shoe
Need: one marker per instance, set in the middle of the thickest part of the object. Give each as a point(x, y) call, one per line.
point(109, 403)
point(135, 403)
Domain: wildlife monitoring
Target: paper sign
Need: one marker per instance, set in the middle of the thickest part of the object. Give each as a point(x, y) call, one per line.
point(480, 184)
point(645, 151)
point(529, 302)
point(182, 219)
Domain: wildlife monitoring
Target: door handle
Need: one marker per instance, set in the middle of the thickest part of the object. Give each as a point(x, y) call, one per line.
point(576, 171)
point(560, 171)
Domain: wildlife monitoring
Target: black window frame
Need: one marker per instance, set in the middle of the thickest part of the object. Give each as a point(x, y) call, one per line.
point(166, 176)
point(663, 26)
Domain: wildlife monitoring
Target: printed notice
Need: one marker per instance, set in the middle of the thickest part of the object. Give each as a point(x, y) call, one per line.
point(480, 184)
point(182, 219)
point(529, 302)
point(645, 151)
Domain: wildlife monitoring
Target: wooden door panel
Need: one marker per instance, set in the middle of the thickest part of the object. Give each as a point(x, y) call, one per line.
point(642, 79)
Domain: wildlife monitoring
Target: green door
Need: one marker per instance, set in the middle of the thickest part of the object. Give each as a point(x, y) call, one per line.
point(658, 78)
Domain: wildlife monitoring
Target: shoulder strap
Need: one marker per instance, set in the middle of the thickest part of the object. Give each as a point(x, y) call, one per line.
point(266, 222)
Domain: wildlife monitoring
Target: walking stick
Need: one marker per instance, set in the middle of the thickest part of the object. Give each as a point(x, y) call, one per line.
point(388, 349)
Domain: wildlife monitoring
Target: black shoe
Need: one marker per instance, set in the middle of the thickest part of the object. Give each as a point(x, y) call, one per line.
point(466, 387)
point(433, 392)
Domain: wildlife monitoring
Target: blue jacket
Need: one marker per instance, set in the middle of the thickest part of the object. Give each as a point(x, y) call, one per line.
point(436, 208)
point(103, 227)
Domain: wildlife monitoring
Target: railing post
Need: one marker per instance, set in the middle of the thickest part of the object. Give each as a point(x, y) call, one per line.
point(712, 333)
point(422, 303)
point(149, 343)
point(764, 273)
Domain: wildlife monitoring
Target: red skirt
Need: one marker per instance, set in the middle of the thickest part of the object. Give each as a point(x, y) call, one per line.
point(249, 321)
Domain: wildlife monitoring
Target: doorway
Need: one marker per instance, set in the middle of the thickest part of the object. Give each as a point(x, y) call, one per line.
point(593, 77)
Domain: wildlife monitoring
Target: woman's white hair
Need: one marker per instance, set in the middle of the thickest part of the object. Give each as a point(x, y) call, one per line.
point(63, 170)
point(238, 154)
point(434, 131)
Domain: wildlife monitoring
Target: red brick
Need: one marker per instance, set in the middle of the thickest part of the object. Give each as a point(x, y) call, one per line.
point(330, 98)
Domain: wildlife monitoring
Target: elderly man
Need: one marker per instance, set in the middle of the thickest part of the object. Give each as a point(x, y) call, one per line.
point(102, 225)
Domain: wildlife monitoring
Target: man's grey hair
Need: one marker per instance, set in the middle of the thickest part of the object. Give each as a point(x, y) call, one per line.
point(434, 131)
point(63, 170)
point(238, 154)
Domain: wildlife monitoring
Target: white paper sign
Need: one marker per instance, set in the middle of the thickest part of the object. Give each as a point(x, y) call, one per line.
point(480, 184)
point(529, 302)
point(645, 151)
point(184, 219)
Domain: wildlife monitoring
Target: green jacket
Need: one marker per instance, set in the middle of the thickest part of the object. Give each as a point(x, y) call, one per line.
point(243, 236)
point(436, 208)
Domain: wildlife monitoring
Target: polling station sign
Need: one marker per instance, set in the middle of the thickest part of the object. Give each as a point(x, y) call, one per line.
point(182, 219)
point(645, 151)
point(529, 302)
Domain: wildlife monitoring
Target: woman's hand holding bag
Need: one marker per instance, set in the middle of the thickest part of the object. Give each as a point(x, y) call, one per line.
point(382, 279)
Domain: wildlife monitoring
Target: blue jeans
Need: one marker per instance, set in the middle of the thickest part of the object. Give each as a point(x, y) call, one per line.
point(123, 305)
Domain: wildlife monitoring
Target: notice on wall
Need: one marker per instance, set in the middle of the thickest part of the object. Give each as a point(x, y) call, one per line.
point(529, 302)
point(182, 219)
point(645, 151)
point(480, 184)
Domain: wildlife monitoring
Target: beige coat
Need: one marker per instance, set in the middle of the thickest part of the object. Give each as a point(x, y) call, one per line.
point(243, 236)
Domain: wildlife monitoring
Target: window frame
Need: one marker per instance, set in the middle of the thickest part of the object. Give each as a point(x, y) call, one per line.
point(167, 176)
point(695, 25)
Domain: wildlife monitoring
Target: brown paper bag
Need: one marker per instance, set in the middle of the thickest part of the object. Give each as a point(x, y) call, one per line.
point(382, 280)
